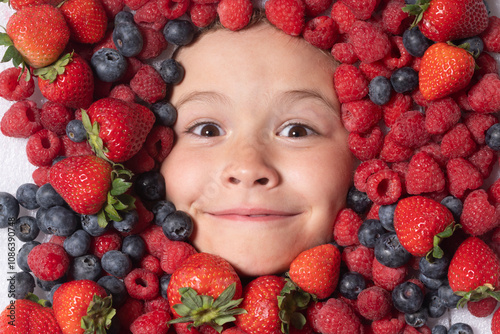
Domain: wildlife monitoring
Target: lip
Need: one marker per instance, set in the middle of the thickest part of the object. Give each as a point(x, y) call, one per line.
point(252, 214)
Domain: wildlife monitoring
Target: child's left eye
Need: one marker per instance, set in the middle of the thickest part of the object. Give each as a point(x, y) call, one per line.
point(296, 130)
point(206, 130)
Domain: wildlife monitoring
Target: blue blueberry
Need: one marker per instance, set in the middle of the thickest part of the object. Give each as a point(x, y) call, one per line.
point(171, 71)
point(134, 246)
point(24, 283)
point(430, 283)
point(415, 42)
point(436, 307)
point(50, 294)
point(407, 297)
point(474, 45)
point(91, 225)
point(417, 319)
point(40, 213)
point(22, 255)
point(369, 232)
point(492, 137)
point(128, 222)
point(116, 263)
point(165, 113)
point(358, 201)
point(439, 329)
point(404, 80)
point(108, 64)
point(460, 328)
point(26, 196)
point(178, 226)
point(76, 131)
point(161, 210)
point(164, 282)
point(114, 287)
point(438, 268)
point(77, 244)
point(351, 284)
point(26, 228)
point(57, 159)
point(85, 267)
point(61, 221)
point(386, 216)
point(411, 2)
point(454, 205)
point(128, 39)
point(9, 209)
point(390, 252)
point(150, 186)
point(448, 296)
point(47, 196)
point(48, 285)
point(124, 17)
point(379, 90)
point(179, 32)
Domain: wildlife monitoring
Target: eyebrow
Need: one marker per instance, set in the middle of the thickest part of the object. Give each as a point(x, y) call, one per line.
point(302, 94)
point(203, 96)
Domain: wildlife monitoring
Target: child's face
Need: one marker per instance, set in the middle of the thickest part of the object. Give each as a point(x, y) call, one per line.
point(261, 161)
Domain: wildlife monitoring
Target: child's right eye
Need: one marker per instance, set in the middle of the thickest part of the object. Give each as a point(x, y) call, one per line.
point(206, 130)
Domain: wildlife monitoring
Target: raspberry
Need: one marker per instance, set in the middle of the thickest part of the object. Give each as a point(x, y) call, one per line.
point(393, 152)
point(415, 63)
point(458, 142)
point(441, 115)
point(478, 124)
point(487, 64)
point(434, 150)
point(399, 56)
point(483, 159)
point(387, 277)
point(152, 264)
point(360, 116)
point(55, 116)
point(321, 32)
point(483, 307)
point(151, 322)
point(174, 254)
point(345, 231)
point(343, 16)
point(153, 43)
point(150, 16)
point(43, 147)
point(159, 303)
point(424, 175)
point(112, 7)
point(70, 148)
point(57, 239)
point(104, 243)
point(235, 14)
point(394, 20)
point(414, 330)
point(148, 84)
point(287, 15)
point(409, 130)
point(375, 69)
point(494, 191)
point(397, 105)
point(21, 120)
point(350, 83)
point(336, 315)
point(155, 240)
point(344, 53)
point(202, 15)
point(13, 87)
point(173, 9)
point(366, 146)
point(479, 215)
point(41, 175)
point(369, 43)
point(374, 303)
point(48, 261)
point(359, 259)
point(373, 213)
point(362, 9)
point(135, 4)
point(384, 187)
point(159, 142)
point(131, 310)
point(133, 66)
point(123, 92)
point(483, 96)
point(312, 314)
point(389, 325)
point(141, 162)
point(491, 36)
point(419, 99)
point(142, 284)
point(365, 170)
point(462, 176)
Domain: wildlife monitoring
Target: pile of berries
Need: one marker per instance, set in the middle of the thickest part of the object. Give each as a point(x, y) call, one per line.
point(419, 218)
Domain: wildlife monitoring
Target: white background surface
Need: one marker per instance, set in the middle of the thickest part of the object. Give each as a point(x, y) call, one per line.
point(16, 170)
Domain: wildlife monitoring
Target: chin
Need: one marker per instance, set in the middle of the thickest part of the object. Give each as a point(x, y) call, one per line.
point(250, 267)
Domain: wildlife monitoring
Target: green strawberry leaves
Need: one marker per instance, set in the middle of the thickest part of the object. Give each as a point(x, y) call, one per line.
point(292, 301)
point(52, 71)
point(94, 140)
point(481, 292)
point(12, 54)
point(99, 315)
point(436, 252)
point(417, 9)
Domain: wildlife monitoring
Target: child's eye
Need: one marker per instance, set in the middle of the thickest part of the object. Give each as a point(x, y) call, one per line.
point(206, 130)
point(296, 130)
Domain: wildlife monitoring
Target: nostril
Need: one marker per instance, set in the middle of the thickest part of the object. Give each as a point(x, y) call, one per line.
point(263, 181)
point(234, 180)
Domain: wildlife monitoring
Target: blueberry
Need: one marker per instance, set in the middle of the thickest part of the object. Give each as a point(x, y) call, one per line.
point(439, 329)
point(454, 205)
point(161, 210)
point(404, 79)
point(386, 216)
point(76, 131)
point(436, 307)
point(370, 231)
point(411, 2)
point(407, 297)
point(179, 32)
point(150, 186)
point(124, 17)
point(109, 65)
point(9, 209)
point(178, 226)
point(460, 328)
point(446, 294)
point(417, 319)
point(50, 294)
point(85, 267)
point(91, 225)
point(171, 71)
point(164, 282)
point(351, 284)
point(165, 113)
point(48, 285)
point(128, 222)
point(438, 268)
point(26, 196)
point(22, 255)
point(114, 287)
point(26, 228)
point(134, 246)
point(60, 221)
point(57, 159)
point(24, 283)
point(492, 137)
point(46, 196)
point(415, 42)
point(77, 244)
point(358, 201)
point(390, 252)
point(379, 90)
point(430, 283)
point(116, 263)
point(40, 213)
point(128, 39)
point(474, 45)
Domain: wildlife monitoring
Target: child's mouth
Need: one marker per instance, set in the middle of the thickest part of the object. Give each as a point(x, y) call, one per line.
point(252, 214)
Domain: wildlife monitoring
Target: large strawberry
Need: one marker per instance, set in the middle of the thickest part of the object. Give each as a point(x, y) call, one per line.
point(421, 223)
point(86, 19)
point(82, 307)
point(18, 4)
point(117, 129)
point(474, 271)
point(444, 69)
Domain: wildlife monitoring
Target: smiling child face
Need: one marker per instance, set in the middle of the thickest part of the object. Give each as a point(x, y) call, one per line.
point(261, 161)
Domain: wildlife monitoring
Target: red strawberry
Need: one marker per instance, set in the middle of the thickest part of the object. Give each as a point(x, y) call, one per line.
point(444, 69)
point(87, 20)
point(25, 316)
point(18, 4)
point(495, 322)
point(418, 221)
point(82, 307)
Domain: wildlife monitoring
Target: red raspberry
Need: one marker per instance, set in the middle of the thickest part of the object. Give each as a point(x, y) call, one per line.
point(155, 240)
point(344, 53)
point(135, 4)
point(487, 64)
point(345, 231)
point(112, 7)
point(54, 117)
point(394, 20)
point(150, 16)
point(141, 162)
point(159, 303)
point(159, 142)
point(483, 96)
point(483, 307)
point(142, 284)
point(287, 15)
point(402, 169)
point(104, 243)
point(479, 215)
point(415, 63)
point(48, 261)
point(359, 259)
point(13, 87)
point(123, 92)
point(384, 187)
point(375, 69)
point(41, 175)
point(57, 239)
point(418, 98)
point(21, 120)
point(478, 124)
point(424, 175)
point(312, 314)
point(148, 84)
point(491, 36)
point(43, 147)
point(483, 159)
point(374, 303)
point(202, 15)
point(434, 150)
point(370, 44)
point(399, 56)
point(343, 16)
point(173, 9)
point(362, 9)
point(235, 14)
point(458, 142)
point(394, 152)
point(152, 264)
point(154, 43)
point(462, 176)
point(414, 330)
point(70, 148)
point(373, 213)
point(360, 116)
point(131, 310)
point(366, 146)
point(350, 83)
point(174, 254)
point(409, 130)
point(441, 115)
point(494, 191)
point(365, 170)
point(397, 105)
point(387, 277)
point(322, 31)
point(495, 241)
point(394, 324)
point(151, 322)
point(336, 316)
point(133, 66)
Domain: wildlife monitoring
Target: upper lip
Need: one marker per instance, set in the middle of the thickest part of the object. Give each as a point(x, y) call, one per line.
point(251, 211)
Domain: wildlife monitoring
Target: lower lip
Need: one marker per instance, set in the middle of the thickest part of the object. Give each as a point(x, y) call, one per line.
point(253, 218)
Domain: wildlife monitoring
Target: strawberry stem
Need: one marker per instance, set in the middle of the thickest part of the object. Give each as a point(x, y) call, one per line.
point(417, 9)
point(99, 315)
point(12, 54)
point(436, 252)
point(291, 301)
point(477, 294)
point(52, 71)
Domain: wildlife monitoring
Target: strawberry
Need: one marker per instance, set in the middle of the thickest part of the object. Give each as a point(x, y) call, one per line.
point(117, 129)
point(444, 69)
point(18, 4)
point(36, 36)
point(474, 271)
point(82, 307)
point(28, 316)
point(205, 289)
point(421, 223)
point(68, 81)
point(87, 20)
